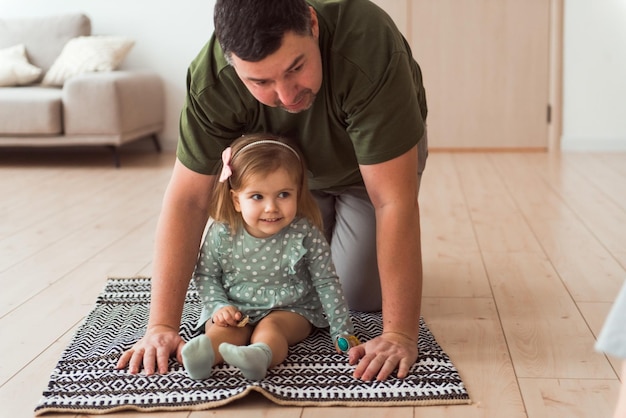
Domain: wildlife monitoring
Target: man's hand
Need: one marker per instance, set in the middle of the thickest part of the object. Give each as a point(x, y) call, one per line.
point(378, 358)
point(155, 348)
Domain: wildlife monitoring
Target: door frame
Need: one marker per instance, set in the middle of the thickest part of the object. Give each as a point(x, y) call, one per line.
point(555, 128)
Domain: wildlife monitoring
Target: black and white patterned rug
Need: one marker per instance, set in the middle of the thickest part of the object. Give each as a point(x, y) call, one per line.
point(85, 379)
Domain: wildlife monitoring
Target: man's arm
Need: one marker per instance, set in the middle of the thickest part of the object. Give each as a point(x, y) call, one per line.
point(393, 189)
point(181, 223)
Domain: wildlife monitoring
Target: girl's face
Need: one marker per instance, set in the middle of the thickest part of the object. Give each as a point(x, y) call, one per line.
point(267, 203)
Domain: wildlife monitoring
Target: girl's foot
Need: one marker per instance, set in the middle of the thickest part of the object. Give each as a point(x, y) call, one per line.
point(253, 360)
point(198, 357)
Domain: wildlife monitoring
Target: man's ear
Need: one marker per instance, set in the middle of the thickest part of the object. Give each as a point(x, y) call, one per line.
point(315, 27)
point(235, 197)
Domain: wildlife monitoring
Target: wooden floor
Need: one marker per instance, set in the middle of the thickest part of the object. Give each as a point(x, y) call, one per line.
point(523, 255)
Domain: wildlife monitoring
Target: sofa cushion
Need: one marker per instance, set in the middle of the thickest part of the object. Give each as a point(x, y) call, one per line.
point(87, 54)
point(44, 37)
point(15, 69)
point(31, 110)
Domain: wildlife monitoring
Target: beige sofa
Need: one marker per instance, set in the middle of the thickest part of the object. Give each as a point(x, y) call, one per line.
point(104, 108)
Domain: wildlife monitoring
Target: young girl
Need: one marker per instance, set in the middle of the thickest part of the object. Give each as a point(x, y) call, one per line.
point(264, 272)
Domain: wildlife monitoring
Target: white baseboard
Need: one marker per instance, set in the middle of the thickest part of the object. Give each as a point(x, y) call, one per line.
point(593, 144)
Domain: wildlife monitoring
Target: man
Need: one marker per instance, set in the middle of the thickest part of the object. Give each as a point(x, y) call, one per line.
point(339, 79)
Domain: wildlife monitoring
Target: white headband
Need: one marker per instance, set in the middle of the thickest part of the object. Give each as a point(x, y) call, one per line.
point(268, 141)
point(227, 156)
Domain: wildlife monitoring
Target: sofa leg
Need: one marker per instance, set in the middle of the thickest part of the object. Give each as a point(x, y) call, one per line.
point(116, 155)
point(155, 141)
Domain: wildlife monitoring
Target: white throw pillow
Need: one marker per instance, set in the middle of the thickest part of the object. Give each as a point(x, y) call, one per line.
point(86, 54)
point(15, 69)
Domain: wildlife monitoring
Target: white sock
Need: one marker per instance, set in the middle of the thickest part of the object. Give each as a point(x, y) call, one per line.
point(253, 360)
point(198, 357)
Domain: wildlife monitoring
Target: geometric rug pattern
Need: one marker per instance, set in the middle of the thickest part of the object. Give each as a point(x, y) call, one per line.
point(85, 379)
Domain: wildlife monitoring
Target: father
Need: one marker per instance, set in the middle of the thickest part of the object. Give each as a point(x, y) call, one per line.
point(338, 78)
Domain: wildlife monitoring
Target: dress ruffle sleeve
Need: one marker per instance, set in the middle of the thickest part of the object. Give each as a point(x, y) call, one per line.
point(297, 251)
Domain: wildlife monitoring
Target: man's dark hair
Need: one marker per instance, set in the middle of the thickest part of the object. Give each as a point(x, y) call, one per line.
point(254, 29)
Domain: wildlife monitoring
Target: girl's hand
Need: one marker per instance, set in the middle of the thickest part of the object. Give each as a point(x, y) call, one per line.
point(228, 316)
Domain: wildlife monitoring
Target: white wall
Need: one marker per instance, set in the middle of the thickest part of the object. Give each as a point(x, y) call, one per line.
point(169, 33)
point(594, 75)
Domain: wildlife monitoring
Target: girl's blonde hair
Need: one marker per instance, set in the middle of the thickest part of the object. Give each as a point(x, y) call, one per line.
point(259, 154)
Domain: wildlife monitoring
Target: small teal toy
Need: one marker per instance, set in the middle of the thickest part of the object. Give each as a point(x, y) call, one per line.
point(345, 342)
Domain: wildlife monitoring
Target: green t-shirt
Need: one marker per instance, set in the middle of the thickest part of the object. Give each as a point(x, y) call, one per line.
point(371, 106)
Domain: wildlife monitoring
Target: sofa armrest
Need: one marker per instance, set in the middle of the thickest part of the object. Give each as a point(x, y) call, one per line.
point(117, 103)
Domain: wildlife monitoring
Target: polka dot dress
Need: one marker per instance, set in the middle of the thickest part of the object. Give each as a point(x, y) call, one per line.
point(290, 271)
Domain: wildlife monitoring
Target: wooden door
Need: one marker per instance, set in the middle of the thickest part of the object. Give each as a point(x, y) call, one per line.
point(486, 66)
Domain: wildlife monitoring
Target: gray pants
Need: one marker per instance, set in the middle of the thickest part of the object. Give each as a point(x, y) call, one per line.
point(350, 228)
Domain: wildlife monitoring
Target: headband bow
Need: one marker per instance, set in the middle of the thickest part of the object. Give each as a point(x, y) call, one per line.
point(226, 170)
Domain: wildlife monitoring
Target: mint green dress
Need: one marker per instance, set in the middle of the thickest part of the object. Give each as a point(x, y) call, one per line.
point(290, 271)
